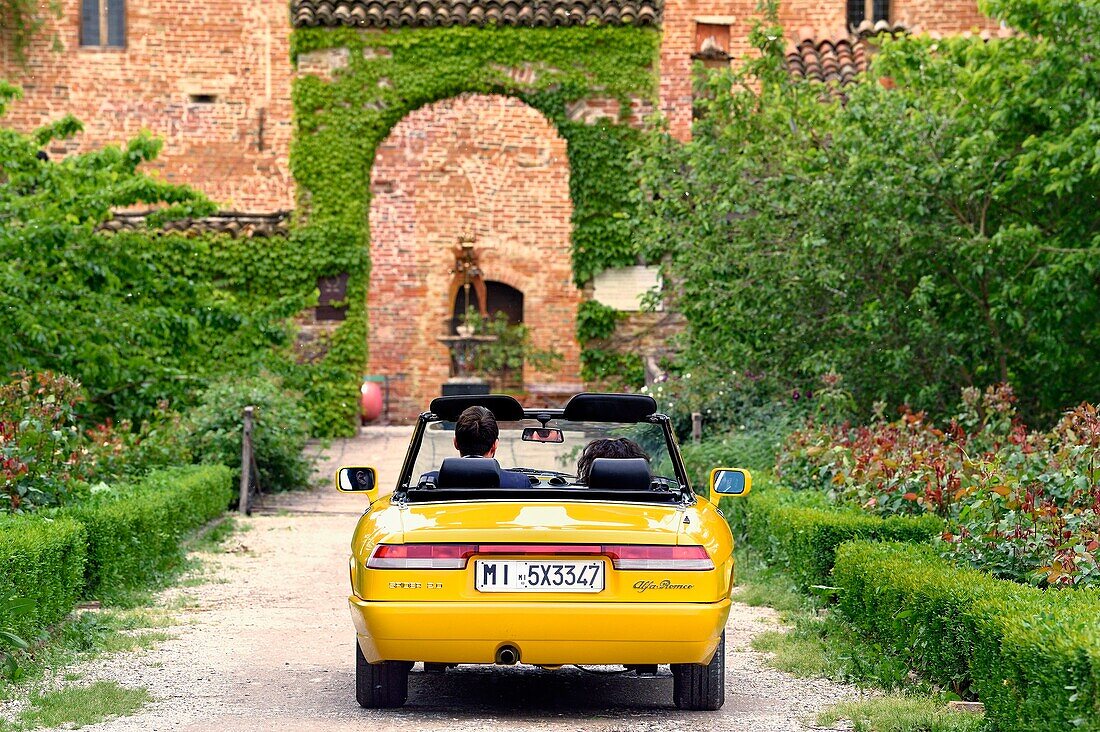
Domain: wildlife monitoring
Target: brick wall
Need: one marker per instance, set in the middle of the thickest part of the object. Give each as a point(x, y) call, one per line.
point(944, 16)
point(233, 147)
point(486, 168)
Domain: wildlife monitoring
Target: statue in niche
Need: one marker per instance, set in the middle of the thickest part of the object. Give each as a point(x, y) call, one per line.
point(463, 344)
point(467, 273)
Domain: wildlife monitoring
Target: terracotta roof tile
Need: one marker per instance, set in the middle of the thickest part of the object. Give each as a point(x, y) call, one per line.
point(432, 13)
point(836, 58)
point(834, 61)
point(234, 223)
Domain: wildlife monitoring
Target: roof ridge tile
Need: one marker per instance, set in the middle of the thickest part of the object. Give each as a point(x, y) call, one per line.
point(430, 13)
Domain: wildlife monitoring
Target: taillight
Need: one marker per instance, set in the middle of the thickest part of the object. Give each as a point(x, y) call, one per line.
point(622, 556)
point(633, 556)
point(420, 556)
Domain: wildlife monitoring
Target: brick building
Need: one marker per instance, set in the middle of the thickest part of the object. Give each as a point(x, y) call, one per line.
point(214, 79)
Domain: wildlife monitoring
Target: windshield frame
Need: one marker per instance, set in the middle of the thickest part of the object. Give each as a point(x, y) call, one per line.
point(404, 479)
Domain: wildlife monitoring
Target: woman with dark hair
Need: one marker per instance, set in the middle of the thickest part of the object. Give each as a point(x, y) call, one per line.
point(607, 447)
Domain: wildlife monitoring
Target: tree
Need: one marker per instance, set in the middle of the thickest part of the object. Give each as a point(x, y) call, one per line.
point(938, 231)
point(136, 317)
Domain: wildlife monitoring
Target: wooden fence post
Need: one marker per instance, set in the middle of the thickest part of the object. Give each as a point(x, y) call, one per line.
point(247, 460)
point(696, 426)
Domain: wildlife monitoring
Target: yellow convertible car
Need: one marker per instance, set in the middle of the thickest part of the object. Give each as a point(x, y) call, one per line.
point(512, 555)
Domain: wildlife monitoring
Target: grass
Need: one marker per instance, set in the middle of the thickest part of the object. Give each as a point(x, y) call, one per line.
point(759, 585)
point(78, 706)
point(824, 645)
point(897, 713)
point(87, 635)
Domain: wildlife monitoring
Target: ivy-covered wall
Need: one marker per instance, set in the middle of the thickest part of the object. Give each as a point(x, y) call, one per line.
point(378, 77)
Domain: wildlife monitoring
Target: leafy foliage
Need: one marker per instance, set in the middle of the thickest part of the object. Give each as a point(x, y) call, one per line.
point(10, 642)
point(613, 370)
point(1021, 505)
point(25, 19)
point(42, 457)
point(137, 318)
point(596, 321)
point(281, 427)
point(935, 232)
point(502, 359)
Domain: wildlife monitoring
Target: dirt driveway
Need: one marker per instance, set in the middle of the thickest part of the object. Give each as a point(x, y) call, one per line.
point(268, 645)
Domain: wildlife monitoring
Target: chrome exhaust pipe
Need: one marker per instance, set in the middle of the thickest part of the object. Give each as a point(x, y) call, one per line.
point(507, 656)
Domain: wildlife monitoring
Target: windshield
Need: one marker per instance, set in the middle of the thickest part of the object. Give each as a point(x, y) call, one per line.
point(548, 458)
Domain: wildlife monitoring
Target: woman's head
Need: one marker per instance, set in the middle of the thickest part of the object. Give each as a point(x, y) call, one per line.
point(607, 447)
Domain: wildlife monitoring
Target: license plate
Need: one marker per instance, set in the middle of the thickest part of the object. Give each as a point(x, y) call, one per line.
point(520, 575)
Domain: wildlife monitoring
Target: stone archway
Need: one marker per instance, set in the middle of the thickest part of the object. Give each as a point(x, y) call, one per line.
point(483, 168)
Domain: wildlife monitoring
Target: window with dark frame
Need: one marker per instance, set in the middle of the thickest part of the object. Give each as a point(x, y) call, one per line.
point(103, 23)
point(873, 10)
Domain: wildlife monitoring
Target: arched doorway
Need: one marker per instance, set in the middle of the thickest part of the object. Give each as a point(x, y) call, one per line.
point(500, 298)
point(486, 172)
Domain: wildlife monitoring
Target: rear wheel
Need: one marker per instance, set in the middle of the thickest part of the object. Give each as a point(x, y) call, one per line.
point(380, 685)
point(703, 688)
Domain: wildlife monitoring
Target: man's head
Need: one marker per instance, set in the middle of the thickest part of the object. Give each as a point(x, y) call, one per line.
point(476, 432)
point(606, 447)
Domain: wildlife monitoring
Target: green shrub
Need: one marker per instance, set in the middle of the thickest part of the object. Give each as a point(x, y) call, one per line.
point(801, 531)
point(752, 449)
point(41, 460)
point(134, 532)
point(41, 560)
point(1020, 504)
point(1036, 659)
point(910, 597)
point(1032, 656)
point(281, 428)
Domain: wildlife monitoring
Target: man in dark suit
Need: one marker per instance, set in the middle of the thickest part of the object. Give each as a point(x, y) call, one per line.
point(477, 435)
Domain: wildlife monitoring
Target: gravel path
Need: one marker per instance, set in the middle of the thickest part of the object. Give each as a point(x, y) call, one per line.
point(268, 645)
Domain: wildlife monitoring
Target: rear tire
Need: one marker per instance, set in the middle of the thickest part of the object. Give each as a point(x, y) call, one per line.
point(701, 688)
point(380, 685)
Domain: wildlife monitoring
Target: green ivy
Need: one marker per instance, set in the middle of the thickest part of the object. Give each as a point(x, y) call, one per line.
point(25, 19)
point(596, 321)
point(613, 370)
point(341, 122)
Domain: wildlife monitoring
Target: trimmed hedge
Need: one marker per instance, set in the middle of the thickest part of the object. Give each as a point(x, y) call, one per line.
point(801, 530)
point(41, 560)
point(1032, 656)
point(135, 533)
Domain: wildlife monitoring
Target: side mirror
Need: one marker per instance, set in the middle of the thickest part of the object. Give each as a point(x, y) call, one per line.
point(358, 480)
point(729, 482)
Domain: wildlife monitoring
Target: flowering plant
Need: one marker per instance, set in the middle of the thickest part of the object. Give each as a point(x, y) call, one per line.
point(1021, 504)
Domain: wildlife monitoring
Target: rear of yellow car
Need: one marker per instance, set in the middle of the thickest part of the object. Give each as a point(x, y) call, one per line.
point(549, 584)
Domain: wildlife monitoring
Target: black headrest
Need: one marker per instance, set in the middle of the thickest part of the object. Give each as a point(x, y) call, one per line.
point(620, 474)
point(505, 408)
point(589, 407)
point(469, 472)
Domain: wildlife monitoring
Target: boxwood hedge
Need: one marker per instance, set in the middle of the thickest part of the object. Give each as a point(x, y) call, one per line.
point(801, 531)
point(134, 533)
point(119, 539)
point(41, 560)
point(1031, 655)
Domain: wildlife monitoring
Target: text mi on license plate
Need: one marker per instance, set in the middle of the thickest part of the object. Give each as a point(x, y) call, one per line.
point(517, 575)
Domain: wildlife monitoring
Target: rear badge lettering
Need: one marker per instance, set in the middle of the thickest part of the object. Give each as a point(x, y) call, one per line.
point(644, 585)
point(416, 585)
